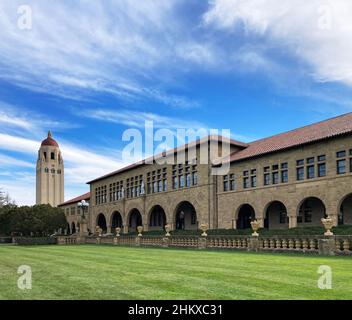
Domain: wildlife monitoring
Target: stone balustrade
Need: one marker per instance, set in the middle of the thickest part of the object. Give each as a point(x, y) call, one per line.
point(333, 245)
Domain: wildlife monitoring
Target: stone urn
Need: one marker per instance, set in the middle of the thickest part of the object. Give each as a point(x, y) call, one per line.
point(167, 229)
point(328, 224)
point(117, 230)
point(98, 231)
point(140, 230)
point(204, 228)
point(255, 228)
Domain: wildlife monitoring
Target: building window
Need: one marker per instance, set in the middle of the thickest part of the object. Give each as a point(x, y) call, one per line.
point(310, 172)
point(52, 156)
point(188, 180)
point(275, 178)
point(225, 184)
point(341, 166)
point(321, 170)
point(321, 158)
point(194, 178)
point(299, 163)
point(165, 184)
point(53, 171)
point(284, 176)
point(253, 181)
point(174, 183)
point(266, 179)
point(46, 170)
point(181, 181)
point(300, 173)
point(245, 183)
point(232, 182)
point(310, 160)
point(340, 154)
point(284, 172)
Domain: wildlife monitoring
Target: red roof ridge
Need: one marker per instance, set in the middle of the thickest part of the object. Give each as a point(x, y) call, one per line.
point(85, 196)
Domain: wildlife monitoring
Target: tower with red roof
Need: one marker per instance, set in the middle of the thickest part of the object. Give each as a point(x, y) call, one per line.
point(50, 173)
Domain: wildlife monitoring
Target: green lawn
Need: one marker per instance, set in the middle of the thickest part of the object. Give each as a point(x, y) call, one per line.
point(107, 272)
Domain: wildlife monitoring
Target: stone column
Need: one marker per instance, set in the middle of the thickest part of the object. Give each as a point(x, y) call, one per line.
point(292, 221)
point(202, 243)
point(327, 246)
point(253, 244)
point(145, 227)
point(125, 228)
point(108, 228)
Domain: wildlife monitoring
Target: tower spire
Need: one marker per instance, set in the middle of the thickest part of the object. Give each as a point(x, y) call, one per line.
point(49, 134)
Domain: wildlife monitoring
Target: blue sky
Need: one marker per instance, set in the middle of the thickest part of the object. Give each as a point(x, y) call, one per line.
point(89, 70)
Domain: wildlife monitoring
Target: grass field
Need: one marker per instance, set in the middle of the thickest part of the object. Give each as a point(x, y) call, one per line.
point(107, 272)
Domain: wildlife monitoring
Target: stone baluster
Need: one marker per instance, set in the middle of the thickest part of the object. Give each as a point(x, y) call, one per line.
point(346, 246)
point(305, 245)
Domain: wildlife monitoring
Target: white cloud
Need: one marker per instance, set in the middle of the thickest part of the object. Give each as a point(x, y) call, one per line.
point(318, 32)
point(116, 47)
point(81, 165)
point(138, 118)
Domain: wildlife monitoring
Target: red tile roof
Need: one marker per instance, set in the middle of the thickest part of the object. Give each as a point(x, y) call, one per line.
point(311, 133)
point(85, 196)
point(178, 149)
point(49, 141)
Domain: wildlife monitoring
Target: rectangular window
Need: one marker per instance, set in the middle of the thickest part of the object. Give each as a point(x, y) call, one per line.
point(284, 165)
point(245, 173)
point(300, 173)
point(226, 186)
point(266, 169)
point(284, 176)
point(188, 180)
point(194, 178)
point(275, 167)
point(310, 160)
point(275, 176)
point(174, 183)
point(310, 172)
point(321, 158)
point(232, 182)
point(321, 170)
point(266, 179)
point(181, 181)
point(341, 166)
point(165, 185)
point(341, 154)
point(300, 162)
point(253, 181)
point(52, 156)
point(246, 183)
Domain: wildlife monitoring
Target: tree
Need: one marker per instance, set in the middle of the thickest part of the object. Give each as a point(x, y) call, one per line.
point(5, 199)
point(37, 220)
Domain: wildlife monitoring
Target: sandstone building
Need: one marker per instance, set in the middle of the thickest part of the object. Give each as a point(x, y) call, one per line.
point(288, 180)
point(49, 173)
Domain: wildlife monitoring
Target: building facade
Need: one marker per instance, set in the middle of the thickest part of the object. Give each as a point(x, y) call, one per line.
point(288, 180)
point(50, 173)
point(73, 213)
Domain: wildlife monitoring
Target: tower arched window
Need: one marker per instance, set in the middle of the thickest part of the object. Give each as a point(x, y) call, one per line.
point(52, 170)
point(59, 171)
point(52, 156)
point(46, 170)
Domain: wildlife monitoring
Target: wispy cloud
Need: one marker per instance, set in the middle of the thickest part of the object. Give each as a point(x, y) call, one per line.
point(116, 47)
point(21, 121)
point(317, 32)
point(137, 118)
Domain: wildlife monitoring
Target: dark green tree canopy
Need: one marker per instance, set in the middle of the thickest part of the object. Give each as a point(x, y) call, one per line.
point(36, 220)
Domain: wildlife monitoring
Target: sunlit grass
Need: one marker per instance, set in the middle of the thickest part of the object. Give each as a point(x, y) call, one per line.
point(108, 272)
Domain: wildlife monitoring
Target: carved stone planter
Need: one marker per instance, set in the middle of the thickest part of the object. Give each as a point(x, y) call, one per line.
point(328, 224)
point(255, 226)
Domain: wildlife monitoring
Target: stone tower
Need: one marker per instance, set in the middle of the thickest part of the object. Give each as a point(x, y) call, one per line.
point(50, 173)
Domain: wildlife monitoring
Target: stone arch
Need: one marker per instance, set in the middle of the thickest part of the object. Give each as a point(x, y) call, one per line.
point(134, 219)
point(275, 215)
point(185, 216)
point(156, 218)
point(101, 222)
point(310, 210)
point(245, 213)
point(344, 210)
point(116, 221)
